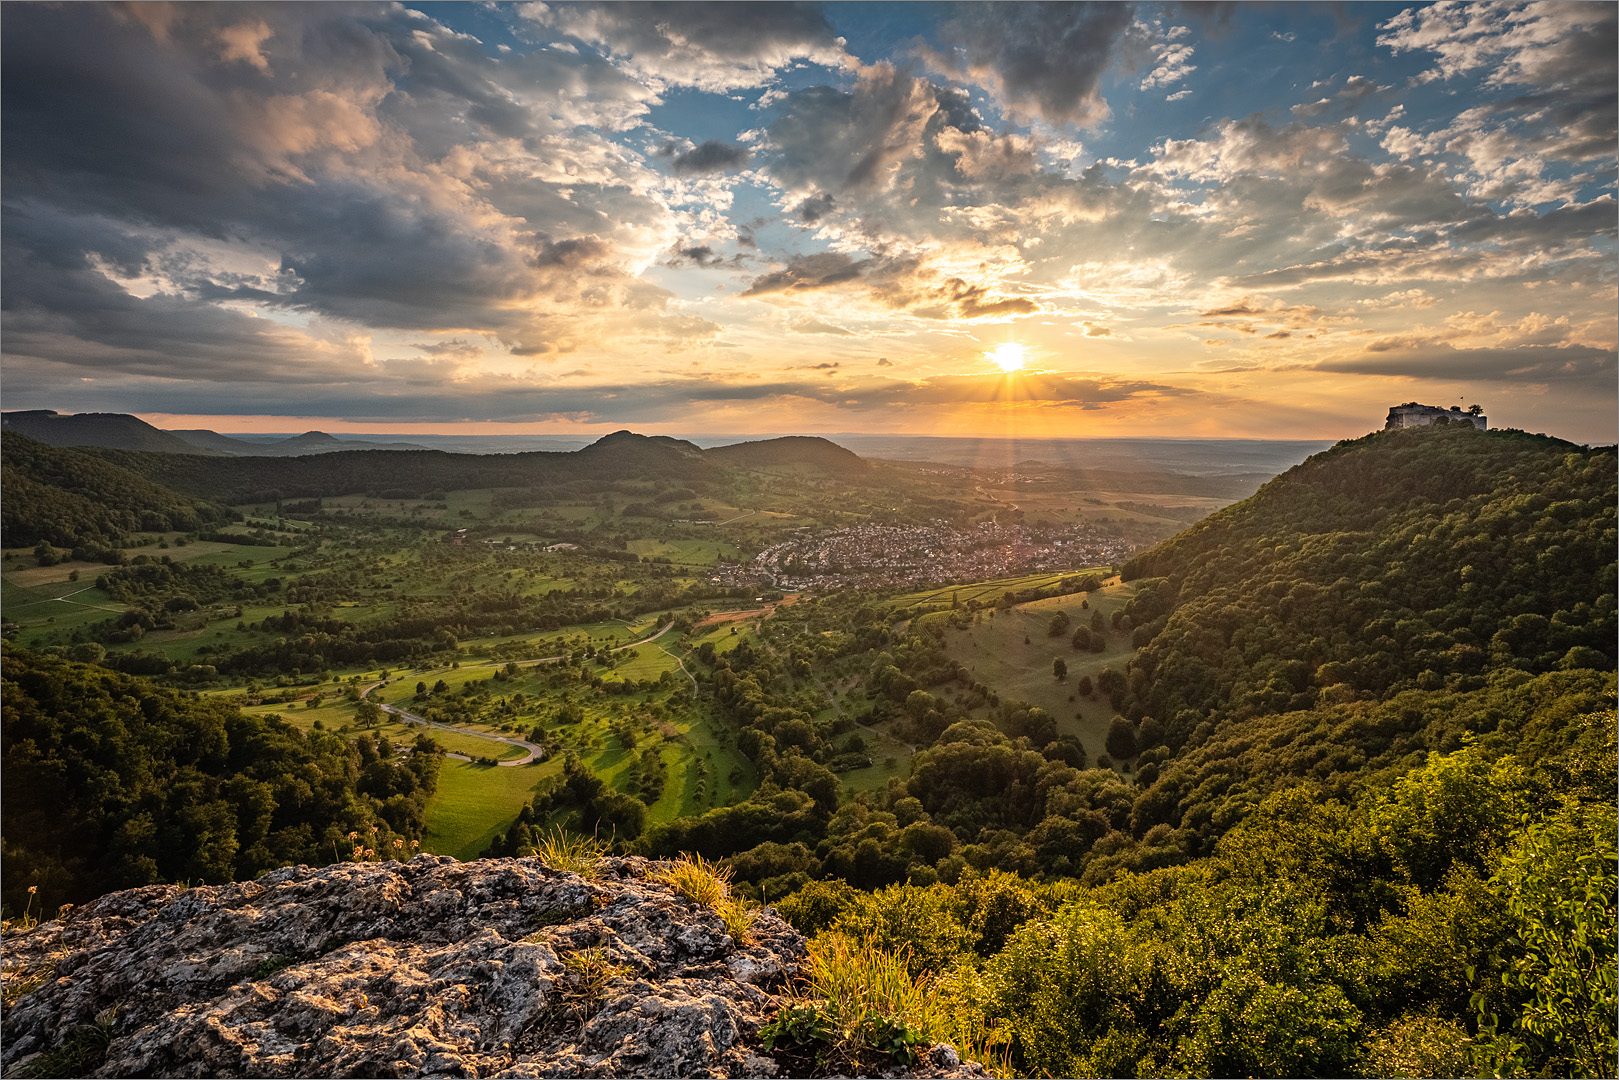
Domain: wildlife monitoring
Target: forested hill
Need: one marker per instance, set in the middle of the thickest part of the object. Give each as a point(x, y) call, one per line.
point(789, 450)
point(76, 498)
point(1424, 558)
point(622, 455)
point(117, 431)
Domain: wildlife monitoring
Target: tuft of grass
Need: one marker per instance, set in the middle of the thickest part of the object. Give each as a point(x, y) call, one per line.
point(738, 914)
point(698, 880)
point(589, 973)
point(27, 982)
point(269, 966)
point(81, 1050)
point(561, 850)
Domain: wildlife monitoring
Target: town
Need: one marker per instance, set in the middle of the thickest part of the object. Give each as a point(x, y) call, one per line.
point(891, 556)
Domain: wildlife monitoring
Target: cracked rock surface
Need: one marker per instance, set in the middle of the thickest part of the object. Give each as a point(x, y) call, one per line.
point(431, 967)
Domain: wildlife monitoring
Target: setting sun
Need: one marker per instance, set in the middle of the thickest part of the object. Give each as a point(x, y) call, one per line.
point(1008, 357)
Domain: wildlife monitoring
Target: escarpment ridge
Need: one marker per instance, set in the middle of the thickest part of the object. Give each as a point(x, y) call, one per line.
point(431, 967)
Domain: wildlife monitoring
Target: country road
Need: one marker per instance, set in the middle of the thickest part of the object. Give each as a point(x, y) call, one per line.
point(531, 751)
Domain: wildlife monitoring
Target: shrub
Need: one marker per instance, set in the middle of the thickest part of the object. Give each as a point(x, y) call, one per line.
point(854, 1007)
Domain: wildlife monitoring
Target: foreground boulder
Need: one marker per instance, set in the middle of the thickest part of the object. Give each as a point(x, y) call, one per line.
point(426, 968)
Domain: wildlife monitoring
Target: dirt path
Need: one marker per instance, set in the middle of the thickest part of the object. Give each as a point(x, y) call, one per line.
point(683, 670)
point(742, 616)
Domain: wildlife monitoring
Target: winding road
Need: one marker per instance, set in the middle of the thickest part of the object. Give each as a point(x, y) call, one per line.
point(531, 752)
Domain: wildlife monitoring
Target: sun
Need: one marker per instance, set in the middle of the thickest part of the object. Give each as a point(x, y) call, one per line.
point(1008, 357)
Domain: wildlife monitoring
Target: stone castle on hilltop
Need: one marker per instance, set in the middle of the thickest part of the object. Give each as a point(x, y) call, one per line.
point(1413, 415)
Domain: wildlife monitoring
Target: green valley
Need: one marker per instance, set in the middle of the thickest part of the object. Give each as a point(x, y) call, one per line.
point(1311, 741)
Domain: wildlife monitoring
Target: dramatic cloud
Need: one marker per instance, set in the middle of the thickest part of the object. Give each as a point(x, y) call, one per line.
point(714, 47)
point(1040, 59)
point(1528, 364)
point(718, 214)
point(711, 156)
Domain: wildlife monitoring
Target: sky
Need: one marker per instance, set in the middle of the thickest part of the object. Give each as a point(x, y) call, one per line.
point(1194, 219)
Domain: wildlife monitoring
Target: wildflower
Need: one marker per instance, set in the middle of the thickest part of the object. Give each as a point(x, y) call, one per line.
point(32, 889)
point(354, 836)
point(358, 851)
point(370, 854)
point(414, 844)
point(398, 843)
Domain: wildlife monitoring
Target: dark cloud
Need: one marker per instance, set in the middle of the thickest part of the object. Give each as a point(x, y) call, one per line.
point(900, 283)
point(815, 208)
point(712, 156)
point(61, 311)
point(710, 46)
point(699, 254)
point(820, 271)
point(1525, 364)
point(1041, 59)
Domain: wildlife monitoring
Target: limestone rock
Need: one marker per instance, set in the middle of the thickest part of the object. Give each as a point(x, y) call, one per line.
point(432, 967)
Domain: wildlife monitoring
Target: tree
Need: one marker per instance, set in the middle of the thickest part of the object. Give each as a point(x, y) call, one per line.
point(1558, 882)
point(1121, 738)
point(1059, 670)
point(1059, 624)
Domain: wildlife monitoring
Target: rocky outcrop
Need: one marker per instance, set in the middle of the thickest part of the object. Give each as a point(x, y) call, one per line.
point(432, 967)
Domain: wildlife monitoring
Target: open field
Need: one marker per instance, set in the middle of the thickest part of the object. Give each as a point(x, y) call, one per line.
point(474, 803)
point(1009, 651)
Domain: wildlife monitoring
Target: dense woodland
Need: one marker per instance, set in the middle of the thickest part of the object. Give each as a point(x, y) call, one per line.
point(1355, 814)
point(112, 782)
point(75, 499)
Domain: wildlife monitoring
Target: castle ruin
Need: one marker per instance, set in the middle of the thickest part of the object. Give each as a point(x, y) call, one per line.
point(1413, 415)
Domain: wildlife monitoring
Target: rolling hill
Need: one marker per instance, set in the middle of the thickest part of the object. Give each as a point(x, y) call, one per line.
point(112, 431)
point(70, 497)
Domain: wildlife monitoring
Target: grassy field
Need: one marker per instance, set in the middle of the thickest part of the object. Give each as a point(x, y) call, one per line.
point(1011, 653)
point(54, 609)
point(335, 715)
point(684, 552)
point(474, 803)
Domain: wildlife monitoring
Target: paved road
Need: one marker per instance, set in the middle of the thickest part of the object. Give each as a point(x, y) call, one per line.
point(533, 752)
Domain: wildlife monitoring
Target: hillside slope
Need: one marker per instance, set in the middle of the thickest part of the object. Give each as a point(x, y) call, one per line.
point(113, 431)
point(71, 497)
point(789, 450)
point(1413, 559)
